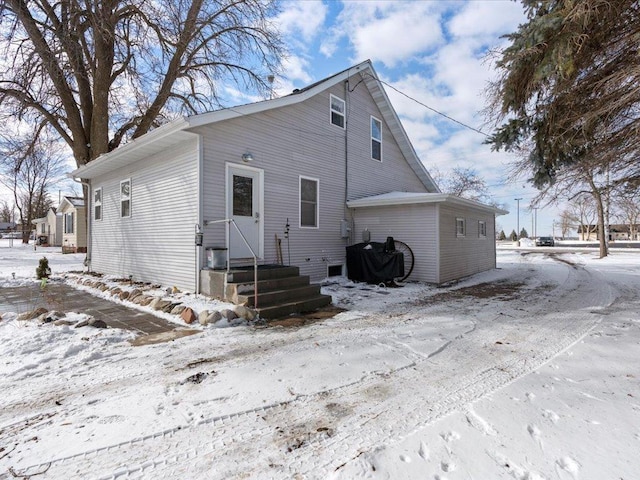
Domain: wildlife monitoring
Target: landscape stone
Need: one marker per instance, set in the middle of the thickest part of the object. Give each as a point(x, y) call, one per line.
point(32, 314)
point(169, 308)
point(49, 317)
point(245, 312)
point(229, 314)
point(158, 303)
point(62, 322)
point(136, 292)
point(178, 309)
point(97, 323)
point(213, 317)
point(145, 300)
point(202, 317)
point(124, 295)
point(188, 315)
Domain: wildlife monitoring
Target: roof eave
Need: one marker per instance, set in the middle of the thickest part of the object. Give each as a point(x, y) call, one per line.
point(126, 152)
point(424, 198)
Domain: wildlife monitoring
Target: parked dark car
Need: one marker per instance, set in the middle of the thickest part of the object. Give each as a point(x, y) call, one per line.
point(545, 242)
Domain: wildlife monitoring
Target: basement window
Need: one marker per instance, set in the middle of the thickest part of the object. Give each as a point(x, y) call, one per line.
point(334, 271)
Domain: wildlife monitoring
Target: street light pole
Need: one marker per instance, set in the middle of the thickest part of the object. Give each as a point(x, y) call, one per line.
point(518, 220)
point(535, 226)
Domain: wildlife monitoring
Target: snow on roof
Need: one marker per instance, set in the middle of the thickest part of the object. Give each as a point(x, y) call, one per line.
point(74, 201)
point(406, 198)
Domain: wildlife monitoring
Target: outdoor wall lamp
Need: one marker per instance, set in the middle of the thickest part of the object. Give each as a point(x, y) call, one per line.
point(247, 157)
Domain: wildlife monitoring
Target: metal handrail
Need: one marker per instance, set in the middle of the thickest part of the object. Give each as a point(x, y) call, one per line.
point(229, 221)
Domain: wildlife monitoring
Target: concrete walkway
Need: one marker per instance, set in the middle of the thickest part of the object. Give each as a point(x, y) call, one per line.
point(63, 298)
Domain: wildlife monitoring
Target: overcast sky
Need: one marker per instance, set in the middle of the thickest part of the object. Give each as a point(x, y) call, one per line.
point(434, 51)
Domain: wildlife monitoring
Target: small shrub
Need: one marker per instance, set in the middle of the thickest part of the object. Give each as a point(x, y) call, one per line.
point(43, 270)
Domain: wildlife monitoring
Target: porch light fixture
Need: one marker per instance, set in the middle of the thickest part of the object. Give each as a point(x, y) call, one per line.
point(247, 157)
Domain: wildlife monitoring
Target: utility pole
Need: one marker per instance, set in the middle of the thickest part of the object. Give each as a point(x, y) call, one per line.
point(535, 226)
point(518, 220)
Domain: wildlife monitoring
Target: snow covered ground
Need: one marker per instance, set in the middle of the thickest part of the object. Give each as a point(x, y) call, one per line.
point(526, 372)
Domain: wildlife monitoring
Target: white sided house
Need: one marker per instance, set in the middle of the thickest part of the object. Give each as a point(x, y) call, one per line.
point(301, 176)
point(74, 225)
point(49, 228)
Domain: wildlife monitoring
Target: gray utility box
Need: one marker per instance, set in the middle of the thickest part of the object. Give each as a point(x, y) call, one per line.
point(216, 257)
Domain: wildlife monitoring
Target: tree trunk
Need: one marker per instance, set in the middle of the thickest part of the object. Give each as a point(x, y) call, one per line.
point(600, 208)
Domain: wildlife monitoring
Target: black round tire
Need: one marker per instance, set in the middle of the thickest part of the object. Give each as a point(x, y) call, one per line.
point(408, 259)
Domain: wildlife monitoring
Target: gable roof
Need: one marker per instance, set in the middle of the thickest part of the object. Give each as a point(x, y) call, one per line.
point(75, 202)
point(182, 129)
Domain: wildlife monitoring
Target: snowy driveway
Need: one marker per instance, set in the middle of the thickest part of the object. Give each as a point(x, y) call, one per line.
point(409, 383)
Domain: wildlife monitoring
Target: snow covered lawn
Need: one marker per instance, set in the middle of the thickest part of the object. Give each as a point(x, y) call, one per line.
point(527, 372)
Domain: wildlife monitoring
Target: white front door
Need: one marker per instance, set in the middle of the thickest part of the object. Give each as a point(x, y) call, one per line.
point(244, 206)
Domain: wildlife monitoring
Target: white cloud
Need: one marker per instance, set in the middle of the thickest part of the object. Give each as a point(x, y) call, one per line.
point(486, 19)
point(295, 74)
point(387, 32)
point(302, 19)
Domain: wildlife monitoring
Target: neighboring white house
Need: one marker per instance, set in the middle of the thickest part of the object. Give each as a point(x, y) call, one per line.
point(617, 232)
point(302, 176)
point(74, 225)
point(49, 227)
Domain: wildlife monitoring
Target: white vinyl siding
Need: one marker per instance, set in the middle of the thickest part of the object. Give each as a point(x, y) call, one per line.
point(367, 177)
point(159, 246)
point(309, 202)
point(461, 256)
point(376, 139)
point(295, 141)
point(414, 225)
point(337, 110)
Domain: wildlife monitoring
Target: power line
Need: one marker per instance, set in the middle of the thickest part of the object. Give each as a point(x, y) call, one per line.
point(431, 108)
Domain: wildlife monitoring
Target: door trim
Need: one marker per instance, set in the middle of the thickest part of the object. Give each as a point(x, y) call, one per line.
point(236, 167)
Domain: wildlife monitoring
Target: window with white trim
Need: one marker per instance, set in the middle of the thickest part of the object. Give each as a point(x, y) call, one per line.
point(376, 139)
point(97, 204)
point(309, 191)
point(482, 229)
point(68, 222)
point(461, 228)
point(125, 198)
point(337, 111)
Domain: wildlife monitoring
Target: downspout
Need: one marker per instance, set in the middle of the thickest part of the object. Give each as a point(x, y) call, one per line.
point(347, 213)
point(200, 207)
point(89, 216)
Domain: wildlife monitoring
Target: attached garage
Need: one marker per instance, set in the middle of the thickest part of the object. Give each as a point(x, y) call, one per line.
point(451, 237)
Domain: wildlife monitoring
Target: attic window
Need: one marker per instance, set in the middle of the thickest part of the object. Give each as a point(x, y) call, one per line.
point(337, 111)
point(125, 198)
point(376, 139)
point(97, 204)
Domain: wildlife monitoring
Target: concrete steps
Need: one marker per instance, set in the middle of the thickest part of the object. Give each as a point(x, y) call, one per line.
point(281, 290)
